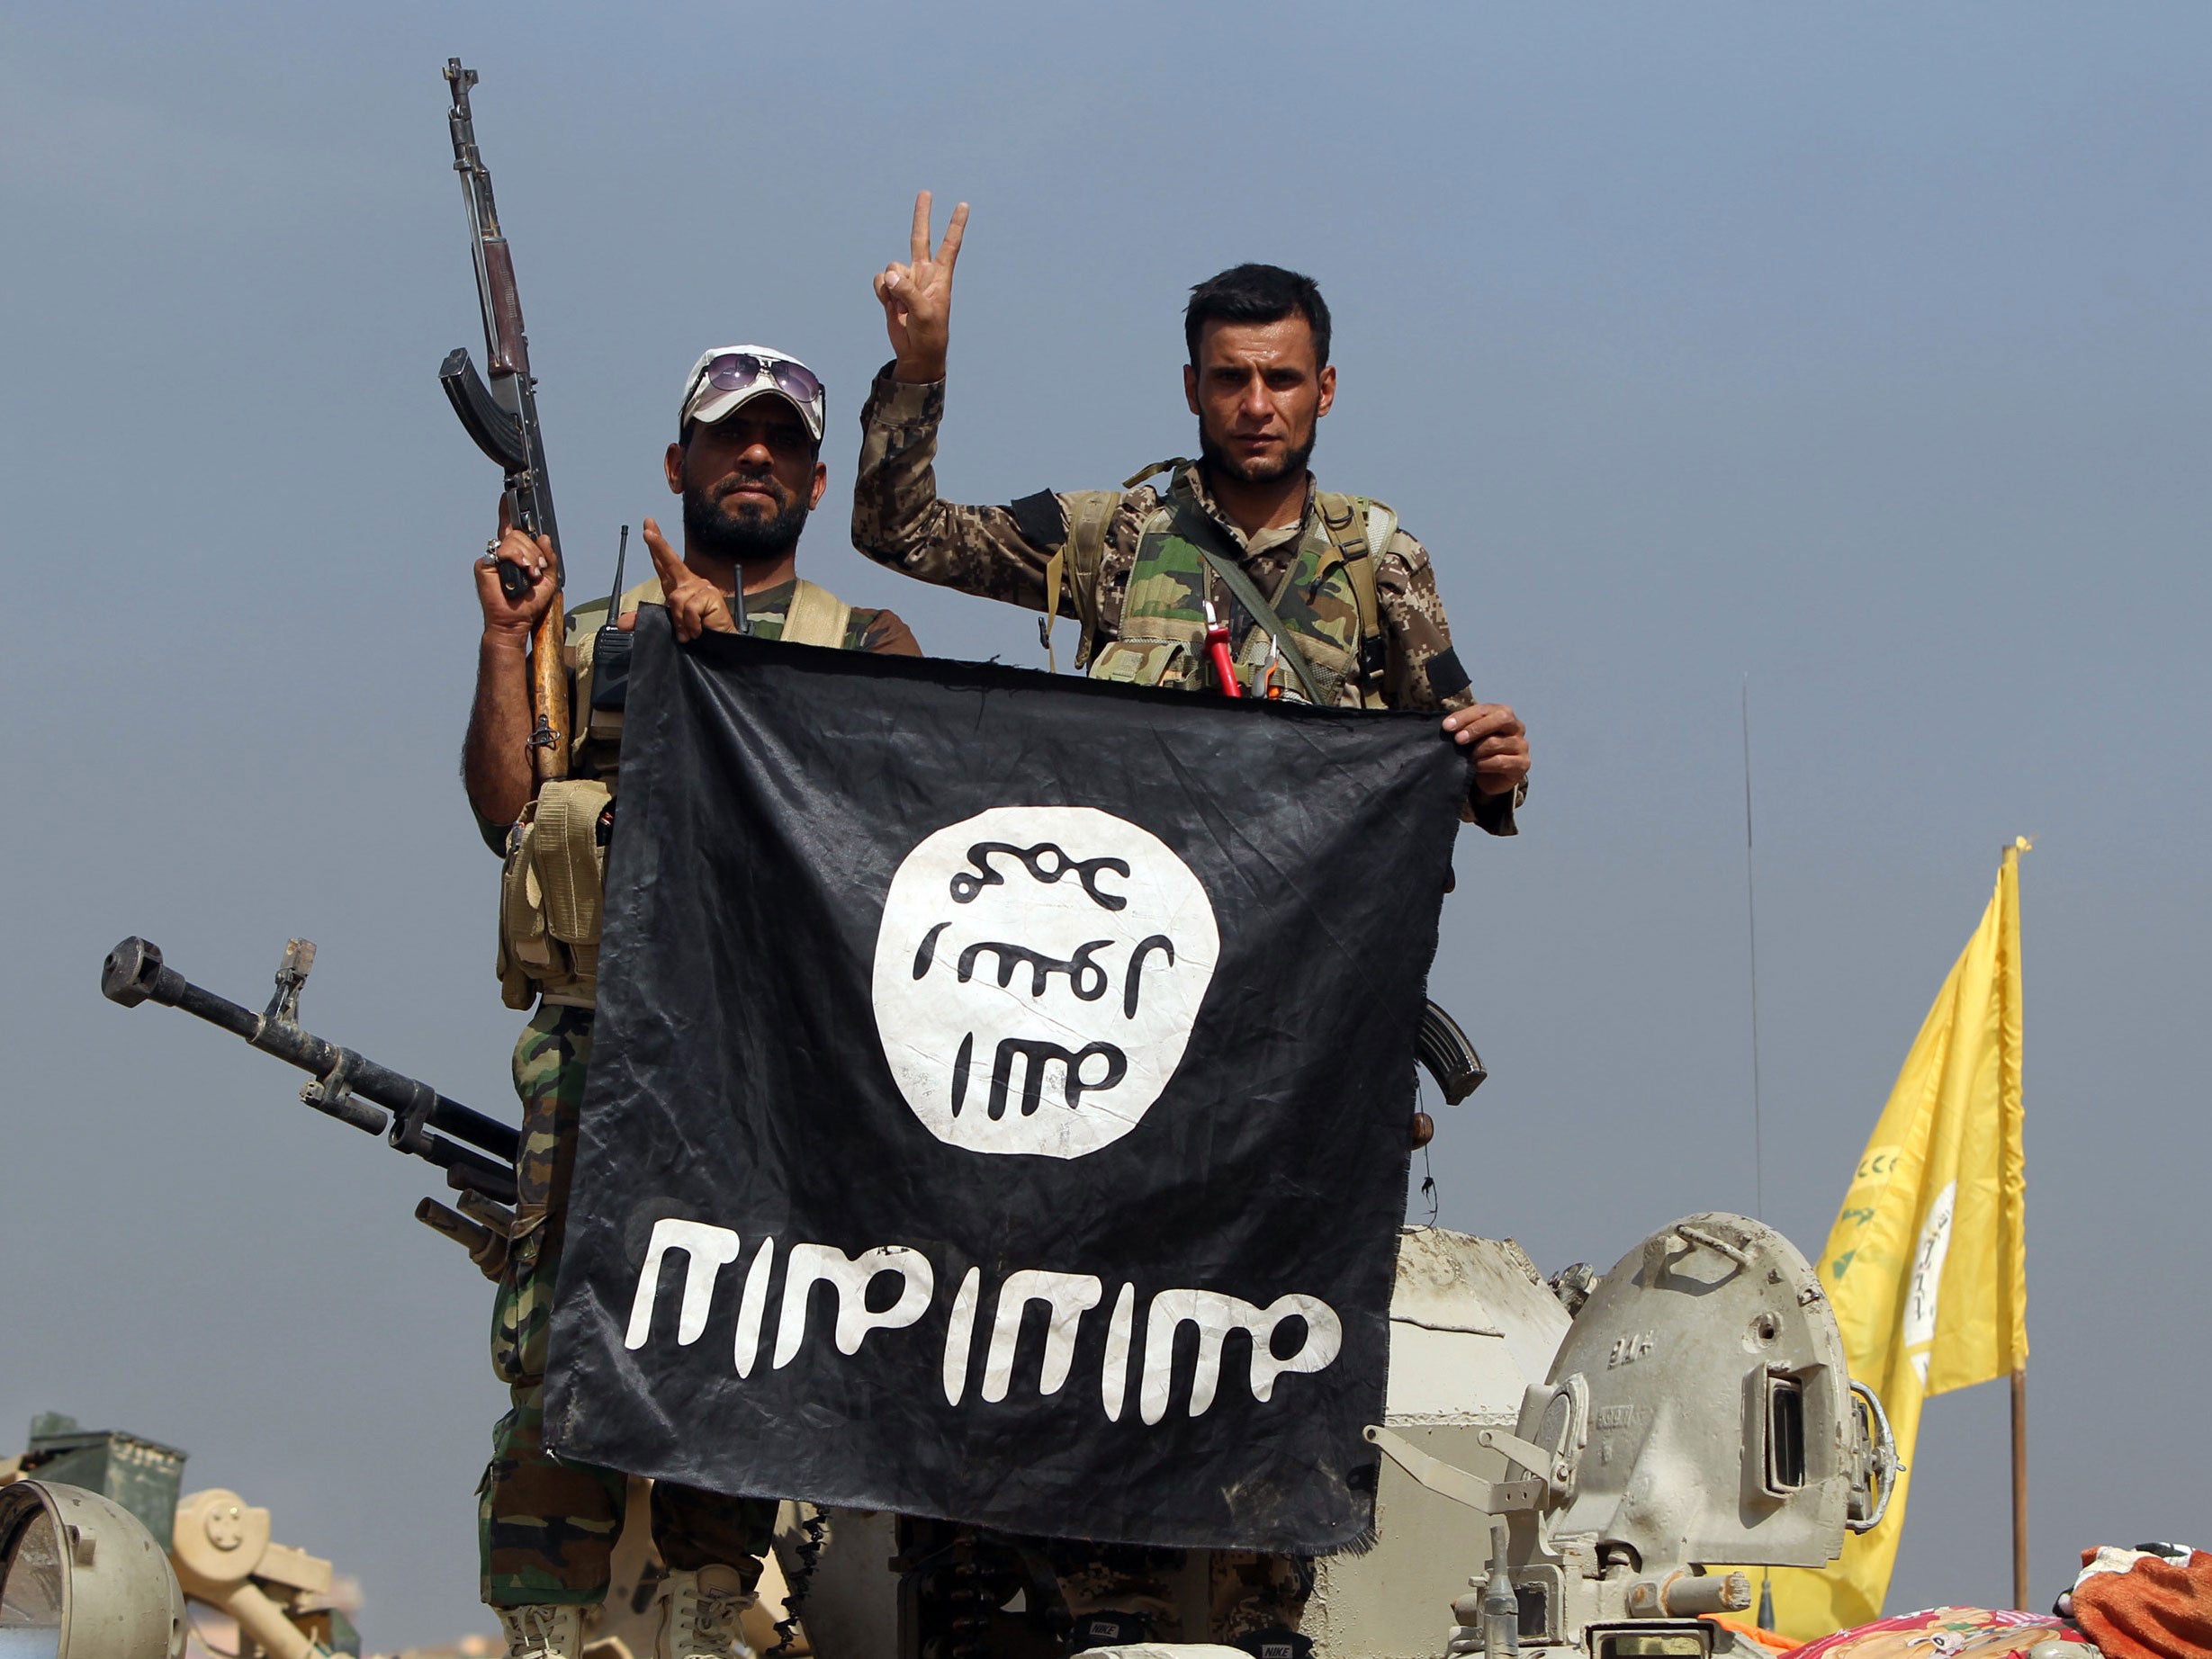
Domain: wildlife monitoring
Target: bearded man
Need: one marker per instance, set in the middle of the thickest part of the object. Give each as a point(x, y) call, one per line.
point(747, 462)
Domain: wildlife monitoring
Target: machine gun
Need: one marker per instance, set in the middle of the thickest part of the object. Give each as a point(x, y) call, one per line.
point(502, 420)
point(477, 1153)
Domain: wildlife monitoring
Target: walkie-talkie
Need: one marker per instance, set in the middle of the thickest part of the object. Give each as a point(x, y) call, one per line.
point(610, 646)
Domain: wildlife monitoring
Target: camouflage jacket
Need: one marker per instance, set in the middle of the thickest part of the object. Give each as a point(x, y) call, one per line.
point(597, 757)
point(1001, 552)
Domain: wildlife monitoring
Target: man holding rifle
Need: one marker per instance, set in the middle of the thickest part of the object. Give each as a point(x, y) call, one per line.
point(1242, 577)
point(747, 464)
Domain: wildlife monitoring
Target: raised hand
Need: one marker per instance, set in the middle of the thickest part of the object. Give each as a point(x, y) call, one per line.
point(696, 606)
point(917, 296)
point(515, 618)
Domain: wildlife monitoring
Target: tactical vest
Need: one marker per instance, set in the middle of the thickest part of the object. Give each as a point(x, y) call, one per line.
point(553, 886)
point(1318, 637)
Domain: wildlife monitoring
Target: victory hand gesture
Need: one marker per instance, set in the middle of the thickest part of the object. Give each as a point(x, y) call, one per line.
point(917, 297)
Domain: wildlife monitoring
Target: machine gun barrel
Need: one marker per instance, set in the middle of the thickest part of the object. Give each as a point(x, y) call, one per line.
point(477, 1153)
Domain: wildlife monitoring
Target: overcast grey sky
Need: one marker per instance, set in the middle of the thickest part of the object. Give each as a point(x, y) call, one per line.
point(1861, 350)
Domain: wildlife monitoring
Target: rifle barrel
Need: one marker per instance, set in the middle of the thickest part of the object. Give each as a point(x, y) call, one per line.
point(135, 973)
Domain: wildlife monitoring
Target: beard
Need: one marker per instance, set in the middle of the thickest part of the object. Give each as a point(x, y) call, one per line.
point(745, 536)
point(1218, 464)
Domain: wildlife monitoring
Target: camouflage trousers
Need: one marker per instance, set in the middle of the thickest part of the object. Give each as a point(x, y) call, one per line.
point(545, 1526)
point(1246, 1591)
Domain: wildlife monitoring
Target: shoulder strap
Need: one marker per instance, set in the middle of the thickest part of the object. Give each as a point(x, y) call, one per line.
point(816, 617)
point(1359, 536)
point(1381, 525)
point(1171, 465)
point(1090, 513)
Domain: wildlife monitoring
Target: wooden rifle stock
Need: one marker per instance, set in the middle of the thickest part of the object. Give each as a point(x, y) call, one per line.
point(549, 694)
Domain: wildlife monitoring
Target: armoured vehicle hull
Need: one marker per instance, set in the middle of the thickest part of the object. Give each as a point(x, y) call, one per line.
point(1696, 1410)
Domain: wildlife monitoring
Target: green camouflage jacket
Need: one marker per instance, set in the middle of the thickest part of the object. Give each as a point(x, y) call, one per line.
point(1001, 553)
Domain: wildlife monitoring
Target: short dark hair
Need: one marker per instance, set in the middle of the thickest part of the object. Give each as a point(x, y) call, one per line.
point(1253, 293)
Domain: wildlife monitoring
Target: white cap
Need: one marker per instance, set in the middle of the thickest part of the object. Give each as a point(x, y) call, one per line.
point(760, 368)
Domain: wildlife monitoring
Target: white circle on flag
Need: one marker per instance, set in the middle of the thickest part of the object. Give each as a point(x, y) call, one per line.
point(1038, 973)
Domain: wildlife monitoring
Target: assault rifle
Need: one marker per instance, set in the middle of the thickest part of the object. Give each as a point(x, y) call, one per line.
point(477, 1153)
point(502, 420)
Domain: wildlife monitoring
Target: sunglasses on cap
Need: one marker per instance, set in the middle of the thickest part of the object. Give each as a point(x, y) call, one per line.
point(744, 371)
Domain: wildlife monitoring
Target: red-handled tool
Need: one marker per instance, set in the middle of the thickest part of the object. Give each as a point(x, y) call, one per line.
point(1218, 648)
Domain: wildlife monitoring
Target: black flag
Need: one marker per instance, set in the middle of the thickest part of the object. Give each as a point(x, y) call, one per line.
point(999, 1100)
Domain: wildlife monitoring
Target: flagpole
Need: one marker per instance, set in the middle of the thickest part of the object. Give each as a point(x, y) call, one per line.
point(2020, 844)
point(2019, 1487)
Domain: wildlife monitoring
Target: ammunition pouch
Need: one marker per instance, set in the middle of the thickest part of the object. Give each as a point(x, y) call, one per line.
point(1146, 662)
point(552, 896)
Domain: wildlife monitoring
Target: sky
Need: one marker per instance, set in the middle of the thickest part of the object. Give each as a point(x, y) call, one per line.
point(1849, 361)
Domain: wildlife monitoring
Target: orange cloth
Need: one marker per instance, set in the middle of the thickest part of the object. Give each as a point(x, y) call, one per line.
point(1760, 1641)
point(2154, 1609)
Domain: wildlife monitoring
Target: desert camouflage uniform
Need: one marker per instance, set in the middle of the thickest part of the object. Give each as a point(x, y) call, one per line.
point(545, 1526)
point(1003, 552)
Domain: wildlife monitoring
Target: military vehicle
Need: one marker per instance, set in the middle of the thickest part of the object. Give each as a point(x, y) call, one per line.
point(1563, 1461)
point(1562, 1464)
point(82, 1575)
point(1558, 1478)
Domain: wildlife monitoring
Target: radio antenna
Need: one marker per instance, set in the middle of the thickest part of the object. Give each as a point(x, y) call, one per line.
point(1750, 905)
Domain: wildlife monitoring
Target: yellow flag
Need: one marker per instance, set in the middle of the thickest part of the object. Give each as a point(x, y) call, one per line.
point(1926, 1265)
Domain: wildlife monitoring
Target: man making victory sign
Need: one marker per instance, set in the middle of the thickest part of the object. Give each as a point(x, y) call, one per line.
point(1241, 576)
point(1324, 598)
